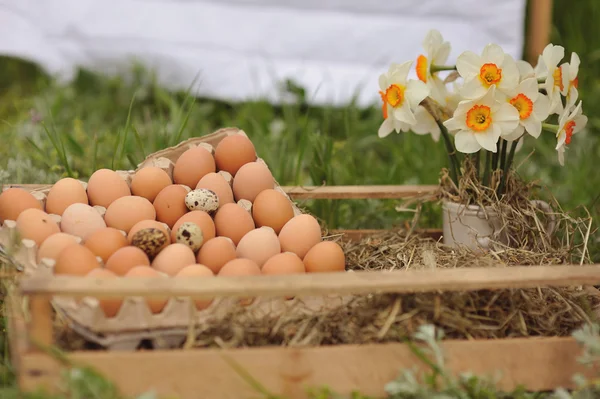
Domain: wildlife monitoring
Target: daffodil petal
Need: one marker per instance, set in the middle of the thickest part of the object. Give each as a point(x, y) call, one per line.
point(383, 82)
point(468, 64)
point(466, 143)
point(492, 53)
point(441, 55)
point(529, 87)
point(561, 156)
point(541, 107)
point(472, 88)
point(386, 128)
point(416, 91)
point(525, 69)
point(400, 72)
point(455, 123)
point(488, 139)
point(515, 134)
point(404, 114)
point(506, 118)
point(533, 126)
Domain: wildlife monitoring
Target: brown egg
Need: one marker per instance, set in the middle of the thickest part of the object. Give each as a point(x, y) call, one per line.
point(241, 267)
point(284, 263)
point(110, 306)
point(271, 208)
point(15, 200)
point(105, 186)
point(125, 212)
point(81, 220)
point(259, 245)
point(197, 270)
point(149, 181)
point(105, 242)
point(63, 193)
point(53, 245)
point(300, 234)
point(217, 183)
point(147, 224)
point(75, 260)
point(250, 180)
point(173, 258)
point(326, 256)
point(36, 225)
point(202, 219)
point(155, 305)
point(233, 221)
point(125, 258)
point(192, 166)
point(216, 252)
point(233, 152)
point(170, 204)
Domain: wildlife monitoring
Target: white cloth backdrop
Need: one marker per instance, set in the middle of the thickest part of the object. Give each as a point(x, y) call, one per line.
point(239, 49)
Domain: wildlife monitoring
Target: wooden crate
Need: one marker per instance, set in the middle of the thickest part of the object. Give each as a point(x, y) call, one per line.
point(537, 363)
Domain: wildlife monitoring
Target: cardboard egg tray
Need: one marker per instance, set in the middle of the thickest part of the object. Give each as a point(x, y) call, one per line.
point(135, 322)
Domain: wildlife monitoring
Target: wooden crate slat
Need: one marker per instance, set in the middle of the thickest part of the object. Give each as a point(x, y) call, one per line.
point(459, 279)
point(538, 364)
point(329, 192)
point(358, 192)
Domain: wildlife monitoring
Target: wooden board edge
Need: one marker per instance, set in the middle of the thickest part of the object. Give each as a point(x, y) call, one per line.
point(539, 364)
point(358, 282)
point(324, 192)
point(16, 329)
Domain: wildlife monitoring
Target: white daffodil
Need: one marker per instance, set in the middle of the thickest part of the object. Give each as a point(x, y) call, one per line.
point(526, 71)
point(533, 109)
point(492, 68)
point(570, 80)
point(400, 99)
point(549, 70)
point(436, 54)
point(426, 124)
point(480, 122)
point(569, 123)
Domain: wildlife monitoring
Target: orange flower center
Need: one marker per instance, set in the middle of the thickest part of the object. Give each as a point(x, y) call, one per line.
point(490, 74)
point(569, 131)
point(479, 118)
point(557, 75)
point(575, 82)
point(394, 95)
point(523, 104)
point(422, 68)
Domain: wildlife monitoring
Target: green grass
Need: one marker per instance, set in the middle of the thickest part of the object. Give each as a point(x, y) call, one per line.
point(48, 131)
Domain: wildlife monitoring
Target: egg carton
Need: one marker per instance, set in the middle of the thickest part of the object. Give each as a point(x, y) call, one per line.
point(135, 322)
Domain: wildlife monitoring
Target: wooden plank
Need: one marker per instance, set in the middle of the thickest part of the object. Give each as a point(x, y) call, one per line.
point(329, 192)
point(538, 31)
point(360, 282)
point(539, 364)
point(358, 192)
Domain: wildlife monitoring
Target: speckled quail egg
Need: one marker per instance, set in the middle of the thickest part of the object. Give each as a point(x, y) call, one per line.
point(191, 235)
point(202, 199)
point(150, 240)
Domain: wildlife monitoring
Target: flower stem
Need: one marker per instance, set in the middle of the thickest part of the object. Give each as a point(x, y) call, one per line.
point(495, 156)
point(477, 161)
point(438, 68)
point(508, 164)
point(486, 169)
point(503, 154)
point(454, 167)
point(550, 127)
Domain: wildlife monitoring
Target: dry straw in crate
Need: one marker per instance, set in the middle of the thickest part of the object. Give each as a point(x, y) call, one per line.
point(134, 321)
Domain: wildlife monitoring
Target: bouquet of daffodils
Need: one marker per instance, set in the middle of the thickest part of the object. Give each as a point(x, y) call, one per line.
point(493, 103)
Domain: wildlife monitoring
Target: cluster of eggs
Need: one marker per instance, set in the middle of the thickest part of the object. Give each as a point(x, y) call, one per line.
point(219, 214)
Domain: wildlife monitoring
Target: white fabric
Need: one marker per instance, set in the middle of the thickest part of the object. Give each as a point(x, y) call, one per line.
point(240, 49)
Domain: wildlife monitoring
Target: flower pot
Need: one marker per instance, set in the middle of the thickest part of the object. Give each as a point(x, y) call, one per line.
point(475, 227)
